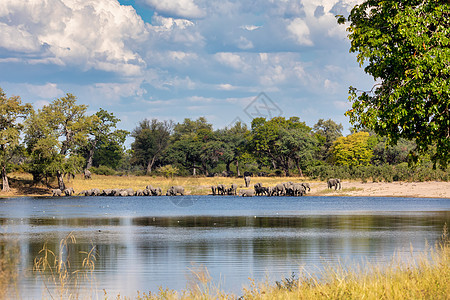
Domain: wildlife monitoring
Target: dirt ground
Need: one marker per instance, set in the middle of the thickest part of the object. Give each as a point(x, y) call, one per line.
point(430, 189)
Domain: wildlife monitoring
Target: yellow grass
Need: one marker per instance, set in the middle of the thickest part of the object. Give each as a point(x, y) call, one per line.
point(192, 185)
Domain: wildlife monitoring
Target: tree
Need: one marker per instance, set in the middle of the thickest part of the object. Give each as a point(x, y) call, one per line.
point(279, 141)
point(405, 46)
point(234, 144)
point(11, 110)
point(353, 150)
point(151, 138)
point(107, 144)
point(328, 132)
point(54, 134)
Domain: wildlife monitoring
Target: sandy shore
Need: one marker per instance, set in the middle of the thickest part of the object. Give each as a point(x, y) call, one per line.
point(430, 189)
point(201, 186)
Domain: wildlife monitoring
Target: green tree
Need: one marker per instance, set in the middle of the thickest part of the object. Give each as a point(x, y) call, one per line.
point(328, 131)
point(405, 46)
point(193, 146)
point(234, 144)
point(54, 135)
point(104, 146)
point(280, 141)
point(11, 110)
point(151, 139)
point(353, 150)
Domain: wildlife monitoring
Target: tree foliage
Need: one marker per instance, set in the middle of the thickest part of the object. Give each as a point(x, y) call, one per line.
point(54, 136)
point(11, 110)
point(405, 46)
point(151, 139)
point(353, 150)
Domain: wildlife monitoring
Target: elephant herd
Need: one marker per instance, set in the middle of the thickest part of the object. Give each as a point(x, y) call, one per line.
point(280, 189)
point(148, 191)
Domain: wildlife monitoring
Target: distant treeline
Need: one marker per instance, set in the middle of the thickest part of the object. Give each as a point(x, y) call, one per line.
point(61, 139)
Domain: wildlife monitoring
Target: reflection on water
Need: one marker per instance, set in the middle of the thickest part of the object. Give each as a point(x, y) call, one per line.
point(143, 243)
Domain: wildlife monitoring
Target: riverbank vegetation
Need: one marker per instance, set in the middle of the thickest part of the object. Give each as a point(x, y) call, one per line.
point(61, 139)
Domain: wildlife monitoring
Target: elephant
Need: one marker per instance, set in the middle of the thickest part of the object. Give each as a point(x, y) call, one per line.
point(247, 181)
point(123, 193)
point(129, 191)
point(233, 189)
point(279, 190)
point(334, 182)
point(307, 186)
point(139, 193)
point(87, 174)
point(260, 190)
point(115, 192)
point(149, 187)
point(298, 189)
point(69, 191)
point(94, 192)
point(247, 193)
point(107, 192)
point(221, 189)
point(83, 193)
point(147, 192)
point(156, 191)
point(214, 190)
point(56, 193)
point(175, 190)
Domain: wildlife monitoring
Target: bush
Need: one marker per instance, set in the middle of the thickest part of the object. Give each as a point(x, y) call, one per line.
point(102, 170)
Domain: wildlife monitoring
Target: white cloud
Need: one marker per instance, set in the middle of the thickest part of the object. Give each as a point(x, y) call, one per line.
point(97, 34)
point(300, 32)
point(250, 27)
point(47, 91)
point(180, 8)
point(108, 92)
point(230, 59)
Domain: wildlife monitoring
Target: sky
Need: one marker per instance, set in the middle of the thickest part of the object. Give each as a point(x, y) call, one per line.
point(225, 60)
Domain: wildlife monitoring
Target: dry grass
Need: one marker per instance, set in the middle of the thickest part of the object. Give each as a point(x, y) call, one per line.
point(59, 279)
point(192, 185)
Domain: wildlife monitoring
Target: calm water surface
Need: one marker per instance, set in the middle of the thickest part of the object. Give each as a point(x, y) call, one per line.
point(146, 242)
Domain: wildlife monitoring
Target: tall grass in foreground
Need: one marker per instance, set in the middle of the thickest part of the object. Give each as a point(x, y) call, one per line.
point(59, 279)
point(426, 276)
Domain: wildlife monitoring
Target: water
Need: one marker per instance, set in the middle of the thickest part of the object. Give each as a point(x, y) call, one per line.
point(146, 242)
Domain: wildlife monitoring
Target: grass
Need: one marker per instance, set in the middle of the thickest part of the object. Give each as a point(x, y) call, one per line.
point(193, 185)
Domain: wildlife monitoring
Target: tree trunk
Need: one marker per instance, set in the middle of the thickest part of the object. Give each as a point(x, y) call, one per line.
point(150, 164)
point(91, 155)
point(237, 168)
point(61, 184)
point(5, 187)
point(227, 167)
point(298, 167)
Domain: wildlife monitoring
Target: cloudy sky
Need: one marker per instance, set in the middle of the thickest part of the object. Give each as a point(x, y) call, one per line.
point(226, 60)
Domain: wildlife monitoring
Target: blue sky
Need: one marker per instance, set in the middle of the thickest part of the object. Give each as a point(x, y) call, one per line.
point(176, 59)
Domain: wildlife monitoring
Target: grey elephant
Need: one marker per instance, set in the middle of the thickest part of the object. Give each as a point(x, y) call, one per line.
point(233, 189)
point(221, 189)
point(259, 189)
point(156, 191)
point(175, 190)
point(247, 181)
point(298, 189)
point(56, 193)
point(139, 193)
point(87, 174)
point(123, 193)
point(214, 190)
point(247, 193)
point(107, 192)
point(307, 186)
point(334, 182)
point(69, 191)
point(279, 190)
